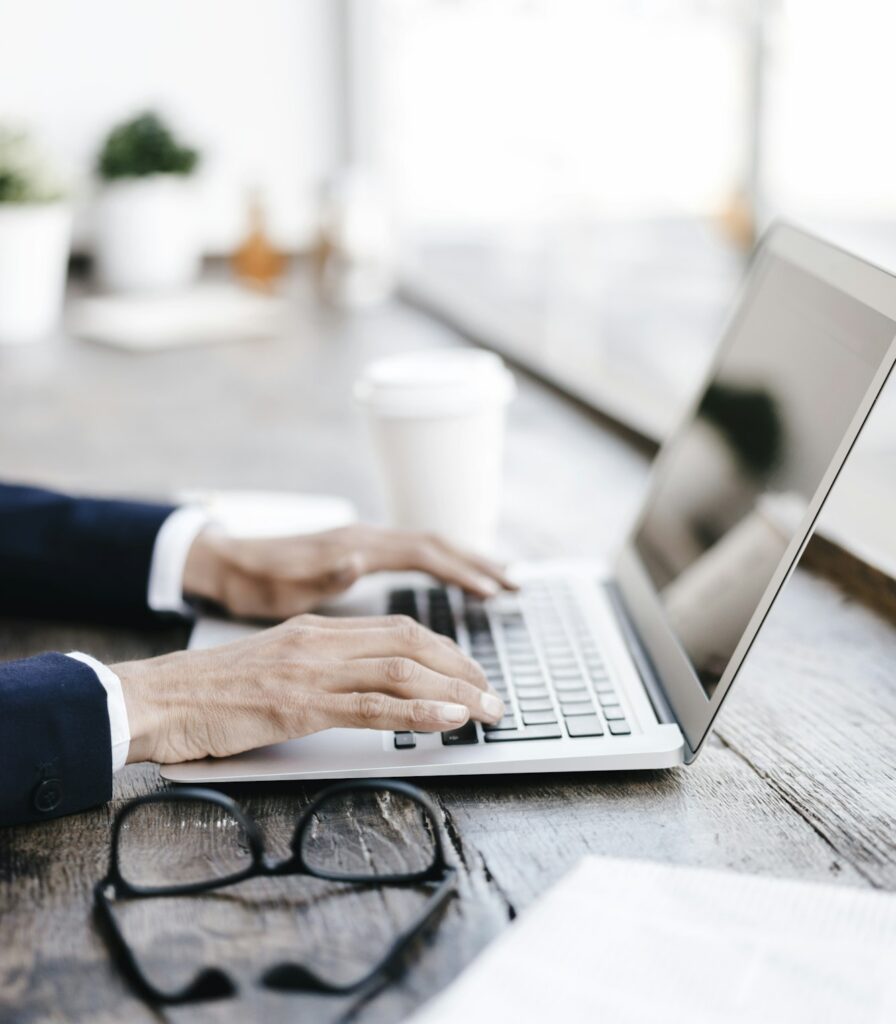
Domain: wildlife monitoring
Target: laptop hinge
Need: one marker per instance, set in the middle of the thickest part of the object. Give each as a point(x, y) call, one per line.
point(641, 658)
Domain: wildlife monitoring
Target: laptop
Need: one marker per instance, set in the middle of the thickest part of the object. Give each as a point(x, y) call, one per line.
point(626, 667)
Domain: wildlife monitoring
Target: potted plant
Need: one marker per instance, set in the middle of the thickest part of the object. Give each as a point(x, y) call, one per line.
point(35, 227)
point(146, 232)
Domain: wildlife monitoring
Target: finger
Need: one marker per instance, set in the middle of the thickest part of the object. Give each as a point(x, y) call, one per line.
point(402, 677)
point(289, 594)
point(355, 621)
point(333, 580)
point(400, 550)
point(407, 639)
point(486, 566)
point(380, 711)
point(450, 569)
point(365, 622)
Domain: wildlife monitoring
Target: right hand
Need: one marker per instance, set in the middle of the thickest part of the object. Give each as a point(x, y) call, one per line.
point(308, 674)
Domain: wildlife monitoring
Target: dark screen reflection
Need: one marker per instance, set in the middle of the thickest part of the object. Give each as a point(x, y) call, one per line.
point(734, 484)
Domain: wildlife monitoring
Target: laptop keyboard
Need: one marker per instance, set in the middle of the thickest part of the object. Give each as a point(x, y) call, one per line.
point(552, 677)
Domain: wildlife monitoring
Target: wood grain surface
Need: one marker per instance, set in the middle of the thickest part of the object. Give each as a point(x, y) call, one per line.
point(798, 780)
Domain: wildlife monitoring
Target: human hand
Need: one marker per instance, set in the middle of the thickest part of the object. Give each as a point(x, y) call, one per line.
point(278, 577)
point(307, 674)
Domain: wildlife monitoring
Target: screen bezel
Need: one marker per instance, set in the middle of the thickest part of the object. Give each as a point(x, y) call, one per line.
point(681, 686)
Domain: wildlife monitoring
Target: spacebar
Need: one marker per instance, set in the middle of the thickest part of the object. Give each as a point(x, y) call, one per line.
point(534, 732)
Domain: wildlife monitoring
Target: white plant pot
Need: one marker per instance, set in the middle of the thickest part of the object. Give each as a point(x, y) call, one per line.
point(34, 245)
point(146, 234)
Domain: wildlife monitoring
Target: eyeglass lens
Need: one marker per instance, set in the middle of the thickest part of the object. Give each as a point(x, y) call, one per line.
point(369, 833)
point(181, 842)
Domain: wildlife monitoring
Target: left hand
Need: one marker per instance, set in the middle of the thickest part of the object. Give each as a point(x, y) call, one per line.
point(283, 576)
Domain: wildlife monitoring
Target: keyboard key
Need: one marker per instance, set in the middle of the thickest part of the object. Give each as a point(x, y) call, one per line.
point(519, 645)
point(614, 713)
point(460, 737)
point(507, 722)
point(404, 602)
point(608, 699)
point(568, 685)
point(535, 704)
point(620, 728)
point(571, 696)
point(567, 677)
point(603, 686)
point(405, 741)
point(586, 725)
point(524, 667)
point(539, 717)
point(579, 708)
point(533, 732)
point(530, 689)
point(441, 617)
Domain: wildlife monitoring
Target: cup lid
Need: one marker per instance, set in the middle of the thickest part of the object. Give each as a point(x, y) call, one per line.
point(439, 383)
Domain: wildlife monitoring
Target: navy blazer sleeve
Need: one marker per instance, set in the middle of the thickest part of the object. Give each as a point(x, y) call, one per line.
point(55, 746)
point(82, 558)
point(64, 557)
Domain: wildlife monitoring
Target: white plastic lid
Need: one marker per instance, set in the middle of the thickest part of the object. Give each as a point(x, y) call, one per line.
point(435, 384)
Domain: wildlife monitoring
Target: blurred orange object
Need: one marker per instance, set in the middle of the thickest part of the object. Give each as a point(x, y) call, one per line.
point(257, 261)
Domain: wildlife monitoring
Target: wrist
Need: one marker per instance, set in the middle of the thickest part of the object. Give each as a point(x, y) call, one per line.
point(203, 567)
point(143, 686)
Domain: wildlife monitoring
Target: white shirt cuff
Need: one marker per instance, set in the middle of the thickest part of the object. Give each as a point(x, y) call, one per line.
point(119, 729)
point(165, 590)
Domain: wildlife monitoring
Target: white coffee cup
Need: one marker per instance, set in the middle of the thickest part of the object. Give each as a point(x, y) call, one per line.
point(437, 422)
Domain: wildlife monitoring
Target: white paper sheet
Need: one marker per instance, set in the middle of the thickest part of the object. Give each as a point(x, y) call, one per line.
point(626, 942)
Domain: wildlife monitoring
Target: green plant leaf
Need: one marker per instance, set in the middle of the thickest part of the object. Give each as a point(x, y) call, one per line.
point(144, 146)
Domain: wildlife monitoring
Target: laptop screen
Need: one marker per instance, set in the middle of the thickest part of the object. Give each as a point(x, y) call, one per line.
point(733, 485)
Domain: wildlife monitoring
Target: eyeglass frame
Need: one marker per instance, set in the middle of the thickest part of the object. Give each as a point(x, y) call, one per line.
point(215, 983)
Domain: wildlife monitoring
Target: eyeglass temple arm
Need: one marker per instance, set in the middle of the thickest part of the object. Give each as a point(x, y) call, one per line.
point(209, 983)
point(290, 976)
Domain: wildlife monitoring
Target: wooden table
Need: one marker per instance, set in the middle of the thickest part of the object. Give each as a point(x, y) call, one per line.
point(798, 780)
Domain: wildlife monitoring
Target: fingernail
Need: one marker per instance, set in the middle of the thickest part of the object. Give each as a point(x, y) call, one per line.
point(493, 706)
point(488, 586)
point(453, 713)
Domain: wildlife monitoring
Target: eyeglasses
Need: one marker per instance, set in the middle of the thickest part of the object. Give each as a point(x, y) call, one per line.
point(188, 841)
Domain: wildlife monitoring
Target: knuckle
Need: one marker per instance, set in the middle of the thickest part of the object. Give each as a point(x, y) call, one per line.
point(458, 691)
point(300, 632)
point(370, 706)
point(399, 621)
point(400, 670)
point(421, 550)
point(411, 635)
point(417, 712)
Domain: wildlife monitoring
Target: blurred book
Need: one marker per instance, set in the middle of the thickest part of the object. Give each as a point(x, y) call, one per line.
point(205, 314)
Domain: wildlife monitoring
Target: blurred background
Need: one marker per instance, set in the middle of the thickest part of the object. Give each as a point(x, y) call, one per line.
point(576, 183)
